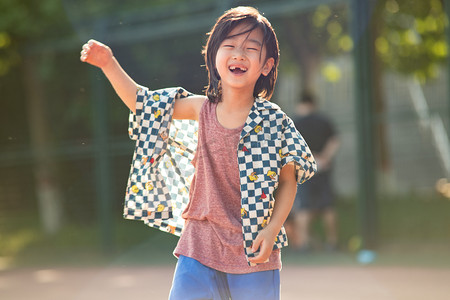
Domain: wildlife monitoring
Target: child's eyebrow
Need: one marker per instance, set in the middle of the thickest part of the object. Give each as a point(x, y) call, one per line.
point(255, 42)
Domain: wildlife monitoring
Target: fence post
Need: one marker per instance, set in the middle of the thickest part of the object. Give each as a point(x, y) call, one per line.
point(364, 110)
point(102, 162)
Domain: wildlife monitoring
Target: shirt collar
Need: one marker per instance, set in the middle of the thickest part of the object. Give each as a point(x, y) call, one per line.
point(261, 108)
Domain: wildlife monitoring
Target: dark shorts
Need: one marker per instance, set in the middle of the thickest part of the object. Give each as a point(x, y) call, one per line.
point(315, 195)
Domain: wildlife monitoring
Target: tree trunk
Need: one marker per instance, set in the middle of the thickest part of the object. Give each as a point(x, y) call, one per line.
point(47, 190)
point(306, 53)
point(381, 137)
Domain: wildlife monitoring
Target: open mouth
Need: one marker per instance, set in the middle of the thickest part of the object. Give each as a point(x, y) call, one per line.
point(237, 69)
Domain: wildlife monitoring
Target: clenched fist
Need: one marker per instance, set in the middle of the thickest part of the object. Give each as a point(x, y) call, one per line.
point(96, 53)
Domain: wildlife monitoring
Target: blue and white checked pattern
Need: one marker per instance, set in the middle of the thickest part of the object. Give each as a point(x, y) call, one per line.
point(161, 173)
point(158, 185)
point(268, 142)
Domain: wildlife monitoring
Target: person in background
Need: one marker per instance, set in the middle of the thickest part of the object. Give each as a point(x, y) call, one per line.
point(315, 197)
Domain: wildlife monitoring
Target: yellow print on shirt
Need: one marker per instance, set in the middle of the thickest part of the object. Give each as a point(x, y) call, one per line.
point(135, 189)
point(282, 155)
point(272, 175)
point(149, 186)
point(264, 223)
point(160, 208)
point(243, 212)
point(253, 176)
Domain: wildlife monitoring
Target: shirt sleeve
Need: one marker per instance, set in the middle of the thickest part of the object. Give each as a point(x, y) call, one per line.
point(144, 98)
point(295, 150)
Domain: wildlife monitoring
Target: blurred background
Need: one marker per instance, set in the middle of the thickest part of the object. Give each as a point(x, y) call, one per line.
point(379, 69)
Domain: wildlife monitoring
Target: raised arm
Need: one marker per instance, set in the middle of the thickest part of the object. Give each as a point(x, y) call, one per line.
point(101, 56)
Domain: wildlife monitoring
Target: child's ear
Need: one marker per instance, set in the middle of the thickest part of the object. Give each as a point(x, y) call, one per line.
point(268, 66)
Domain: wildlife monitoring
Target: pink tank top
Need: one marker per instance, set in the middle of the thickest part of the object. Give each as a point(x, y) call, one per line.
point(213, 230)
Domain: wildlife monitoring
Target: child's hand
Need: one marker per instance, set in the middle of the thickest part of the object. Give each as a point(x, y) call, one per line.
point(264, 242)
point(96, 53)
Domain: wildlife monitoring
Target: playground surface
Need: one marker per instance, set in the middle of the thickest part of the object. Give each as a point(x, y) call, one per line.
point(298, 282)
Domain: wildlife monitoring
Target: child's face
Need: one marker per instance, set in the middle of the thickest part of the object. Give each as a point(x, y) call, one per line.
point(241, 59)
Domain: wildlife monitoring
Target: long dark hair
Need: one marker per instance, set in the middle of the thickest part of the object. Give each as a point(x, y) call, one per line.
point(225, 24)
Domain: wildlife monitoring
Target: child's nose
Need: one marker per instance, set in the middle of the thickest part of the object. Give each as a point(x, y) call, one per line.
point(238, 53)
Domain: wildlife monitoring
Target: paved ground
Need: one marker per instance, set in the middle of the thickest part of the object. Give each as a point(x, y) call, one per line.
point(298, 282)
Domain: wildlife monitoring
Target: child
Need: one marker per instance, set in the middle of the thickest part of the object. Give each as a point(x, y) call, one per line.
point(247, 150)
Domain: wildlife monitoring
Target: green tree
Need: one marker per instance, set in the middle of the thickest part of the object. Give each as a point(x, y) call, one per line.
point(23, 23)
point(314, 34)
point(411, 38)
point(408, 37)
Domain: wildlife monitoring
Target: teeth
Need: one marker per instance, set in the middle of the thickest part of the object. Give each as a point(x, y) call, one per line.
point(232, 68)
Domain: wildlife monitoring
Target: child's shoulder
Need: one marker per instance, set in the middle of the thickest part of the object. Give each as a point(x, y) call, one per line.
point(189, 107)
point(198, 98)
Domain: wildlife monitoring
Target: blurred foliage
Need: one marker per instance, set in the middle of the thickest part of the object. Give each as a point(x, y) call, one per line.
point(412, 37)
point(26, 21)
point(307, 38)
point(411, 41)
point(330, 33)
point(30, 28)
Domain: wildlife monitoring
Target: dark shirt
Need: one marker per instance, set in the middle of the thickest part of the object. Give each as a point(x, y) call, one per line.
point(316, 129)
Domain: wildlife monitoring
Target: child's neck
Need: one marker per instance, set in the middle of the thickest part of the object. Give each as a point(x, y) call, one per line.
point(234, 108)
point(235, 101)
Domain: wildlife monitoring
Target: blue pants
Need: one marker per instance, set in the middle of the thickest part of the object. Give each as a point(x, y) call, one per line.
point(192, 280)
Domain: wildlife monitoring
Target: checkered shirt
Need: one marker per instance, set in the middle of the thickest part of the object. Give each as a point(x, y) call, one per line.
point(161, 171)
